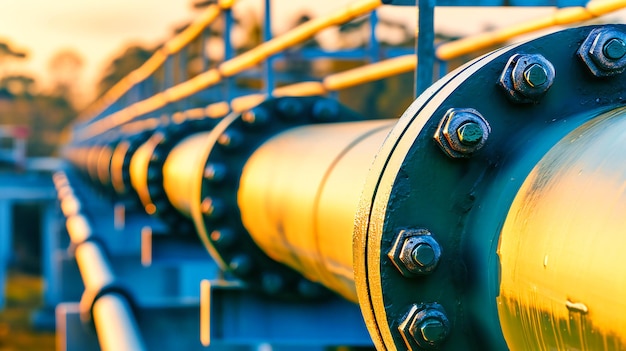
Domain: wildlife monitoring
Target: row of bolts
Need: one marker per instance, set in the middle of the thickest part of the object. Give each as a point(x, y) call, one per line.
point(462, 132)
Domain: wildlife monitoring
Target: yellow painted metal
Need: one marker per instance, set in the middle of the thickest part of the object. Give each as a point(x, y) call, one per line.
point(233, 66)
point(243, 103)
point(117, 166)
point(562, 246)
point(297, 35)
point(103, 165)
point(94, 266)
point(218, 109)
point(115, 326)
point(139, 171)
point(371, 72)
point(299, 193)
point(174, 45)
point(300, 89)
point(180, 166)
point(564, 16)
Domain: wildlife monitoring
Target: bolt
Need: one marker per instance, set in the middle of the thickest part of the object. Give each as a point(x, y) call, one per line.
point(272, 283)
point(425, 327)
point(212, 208)
point(229, 139)
point(604, 52)
point(433, 330)
point(215, 172)
point(423, 254)
point(535, 75)
point(222, 237)
point(290, 107)
point(526, 78)
point(256, 116)
point(241, 265)
point(326, 110)
point(415, 252)
point(462, 132)
point(614, 49)
point(470, 134)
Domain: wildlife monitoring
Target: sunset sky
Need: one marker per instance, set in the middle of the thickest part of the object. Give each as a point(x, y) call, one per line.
point(99, 29)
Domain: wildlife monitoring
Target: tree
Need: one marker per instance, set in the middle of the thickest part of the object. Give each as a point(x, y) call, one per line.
point(65, 70)
point(132, 58)
point(7, 55)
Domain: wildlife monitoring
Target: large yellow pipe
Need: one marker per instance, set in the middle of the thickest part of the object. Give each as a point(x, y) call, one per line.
point(562, 246)
point(299, 193)
point(180, 167)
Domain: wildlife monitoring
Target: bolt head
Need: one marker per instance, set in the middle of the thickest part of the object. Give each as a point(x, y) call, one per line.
point(527, 78)
point(290, 108)
point(433, 330)
point(326, 110)
point(212, 208)
point(470, 134)
point(215, 172)
point(415, 252)
point(230, 139)
point(425, 327)
point(424, 255)
point(604, 52)
point(241, 265)
point(462, 132)
point(256, 117)
point(536, 75)
point(614, 49)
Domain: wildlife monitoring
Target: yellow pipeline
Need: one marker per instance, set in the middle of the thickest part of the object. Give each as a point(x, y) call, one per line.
point(234, 66)
point(560, 17)
point(562, 246)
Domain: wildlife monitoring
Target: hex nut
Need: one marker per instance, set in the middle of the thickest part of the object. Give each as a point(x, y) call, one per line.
point(604, 52)
point(256, 117)
point(527, 78)
point(415, 252)
point(426, 326)
point(462, 132)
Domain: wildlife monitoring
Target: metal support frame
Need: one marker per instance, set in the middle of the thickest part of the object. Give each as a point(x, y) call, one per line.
point(6, 242)
point(425, 46)
point(231, 314)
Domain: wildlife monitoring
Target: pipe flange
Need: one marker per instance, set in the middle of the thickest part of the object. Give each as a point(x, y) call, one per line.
point(120, 164)
point(462, 201)
point(160, 143)
point(216, 213)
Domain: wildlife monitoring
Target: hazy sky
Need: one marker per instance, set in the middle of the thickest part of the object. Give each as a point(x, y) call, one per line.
point(98, 29)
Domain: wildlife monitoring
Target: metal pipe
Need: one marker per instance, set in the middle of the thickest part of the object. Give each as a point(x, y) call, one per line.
point(299, 194)
point(93, 265)
point(182, 164)
point(117, 330)
point(113, 318)
point(561, 247)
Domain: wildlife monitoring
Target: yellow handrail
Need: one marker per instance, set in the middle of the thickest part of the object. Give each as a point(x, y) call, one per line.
point(173, 46)
point(232, 66)
point(564, 16)
point(345, 79)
